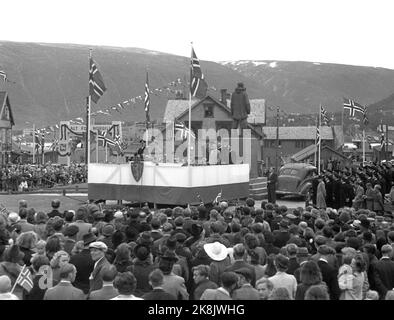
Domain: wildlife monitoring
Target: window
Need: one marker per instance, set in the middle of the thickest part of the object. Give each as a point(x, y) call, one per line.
point(208, 110)
point(269, 143)
point(301, 144)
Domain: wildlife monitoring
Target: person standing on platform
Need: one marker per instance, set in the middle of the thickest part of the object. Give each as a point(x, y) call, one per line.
point(240, 107)
point(271, 185)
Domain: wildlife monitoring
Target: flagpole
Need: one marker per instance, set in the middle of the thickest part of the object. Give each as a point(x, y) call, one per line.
point(34, 143)
point(190, 119)
point(88, 115)
point(16, 281)
point(363, 147)
point(315, 159)
point(43, 148)
point(106, 152)
point(320, 135)
point(97, 147)
point(87, 141)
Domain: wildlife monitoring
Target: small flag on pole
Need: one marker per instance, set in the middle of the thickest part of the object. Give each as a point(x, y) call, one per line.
point(365, 117)
point(198, 86)
point(324, 117)
point(25, 279)
point(219, 196)
point(147, 98)
point(317, 136)
point(180, 126)
point(96, 83)
point(3, 75)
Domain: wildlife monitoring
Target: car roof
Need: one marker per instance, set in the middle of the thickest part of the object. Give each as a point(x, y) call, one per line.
point(298, 166)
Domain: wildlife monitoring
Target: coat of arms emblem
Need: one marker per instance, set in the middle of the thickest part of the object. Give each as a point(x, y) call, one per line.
point(137, 168)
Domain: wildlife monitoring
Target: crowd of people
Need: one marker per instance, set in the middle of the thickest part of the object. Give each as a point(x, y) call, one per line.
point(27, 177)
point(222, 252)
point(362, 187)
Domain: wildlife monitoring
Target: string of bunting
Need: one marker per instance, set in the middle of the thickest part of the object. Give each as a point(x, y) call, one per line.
point(115, 108)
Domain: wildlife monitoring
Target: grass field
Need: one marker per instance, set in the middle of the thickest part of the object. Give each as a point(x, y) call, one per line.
point(42, 202)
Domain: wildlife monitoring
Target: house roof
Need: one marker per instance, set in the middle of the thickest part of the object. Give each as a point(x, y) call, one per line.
point(4, 102)
point(175, 108)
point(310, 150)
point(298, 133)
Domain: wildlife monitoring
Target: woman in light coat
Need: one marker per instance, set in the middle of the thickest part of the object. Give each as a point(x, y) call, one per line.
point(321, 195)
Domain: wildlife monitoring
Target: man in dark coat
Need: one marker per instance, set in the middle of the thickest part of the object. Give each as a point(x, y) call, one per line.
point(84, 263)
point(383, 272)
point(271, 185)
point(158, 293)
point(239, 252)
point(240, 107)
point(329, 274)
point(55, 204)
point(97, 251)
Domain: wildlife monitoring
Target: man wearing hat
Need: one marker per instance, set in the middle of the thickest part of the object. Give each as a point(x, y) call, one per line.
point(245, 291)
point(84, 227)
point(172, 283)
point(329, 273)
point(283, 279)
point(282, 235)
point(302, 257)
point(84, 264)
point(240, 107)
point(55, 204)
point(97, 251)
point(70, 234)
point(106, 234)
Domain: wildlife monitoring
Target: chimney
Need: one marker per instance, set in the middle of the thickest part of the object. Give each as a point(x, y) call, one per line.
point(223, 99)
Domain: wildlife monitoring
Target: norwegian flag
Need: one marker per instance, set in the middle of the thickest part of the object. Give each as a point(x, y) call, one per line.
point(96, 82)
point(353, 107)
point(25, 279)
point(180, 126)
point(198, 86)
point(147, 98)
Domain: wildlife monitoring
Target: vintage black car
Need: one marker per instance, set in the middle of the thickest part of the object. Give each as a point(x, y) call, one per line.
point(295, 179)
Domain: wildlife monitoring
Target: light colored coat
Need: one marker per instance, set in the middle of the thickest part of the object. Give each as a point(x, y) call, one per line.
point(321, 196)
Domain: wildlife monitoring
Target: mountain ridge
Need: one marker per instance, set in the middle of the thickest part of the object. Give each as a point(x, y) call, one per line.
point(51, 81)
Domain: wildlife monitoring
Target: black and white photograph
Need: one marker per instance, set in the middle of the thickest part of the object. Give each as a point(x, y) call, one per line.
point(199, 151)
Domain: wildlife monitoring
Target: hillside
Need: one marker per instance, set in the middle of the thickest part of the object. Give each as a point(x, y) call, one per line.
point(303, 86)
point(50, 81)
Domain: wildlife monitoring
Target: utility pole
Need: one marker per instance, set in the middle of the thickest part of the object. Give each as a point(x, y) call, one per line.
point(387, 142)
point(277, 139)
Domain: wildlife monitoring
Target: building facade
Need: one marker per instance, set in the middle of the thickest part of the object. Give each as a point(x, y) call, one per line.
point(293, 140)
point(211, 113)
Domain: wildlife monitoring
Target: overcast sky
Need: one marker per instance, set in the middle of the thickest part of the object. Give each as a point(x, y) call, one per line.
point(357, 32)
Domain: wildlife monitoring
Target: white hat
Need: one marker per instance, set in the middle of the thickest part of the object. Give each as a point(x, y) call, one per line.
point(118, 215)
point(13, 217)
point(216, 251)
point(99, 245)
